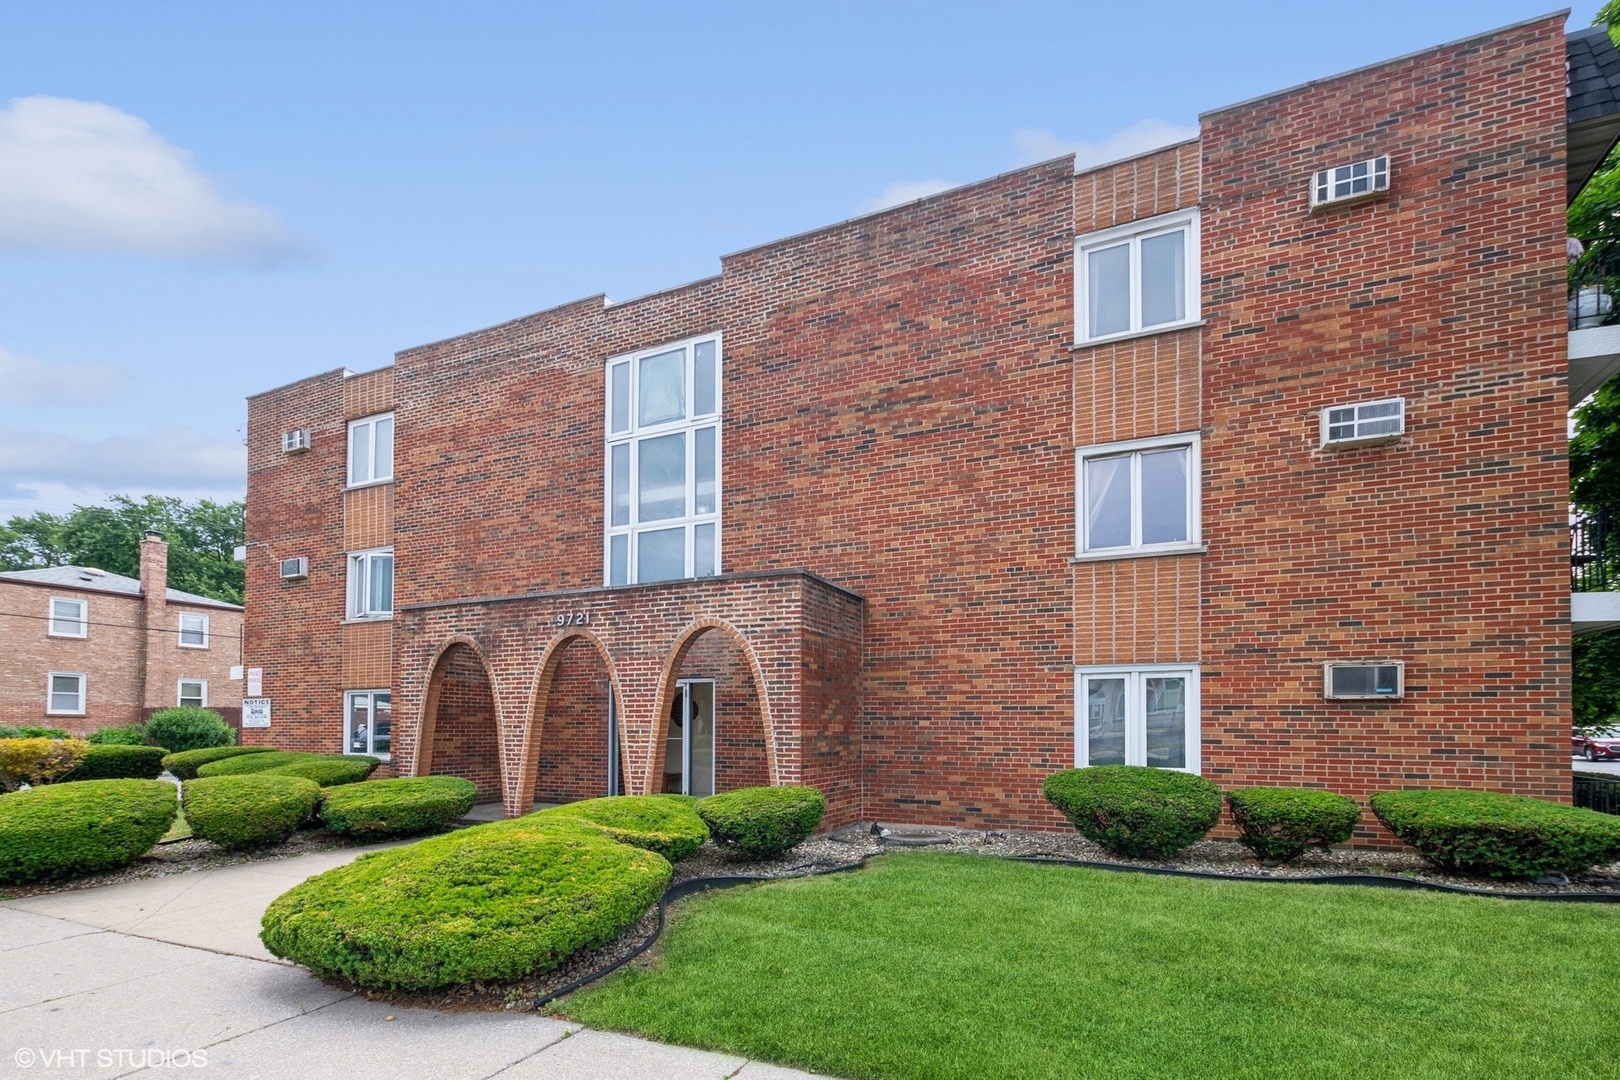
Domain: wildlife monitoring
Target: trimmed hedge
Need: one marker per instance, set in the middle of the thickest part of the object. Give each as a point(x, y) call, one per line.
point(1282, 823)
point(238, 812)
point(1496, 835)
point(128, 735)
point(1134, 810)
point(68, 829)
point(400, 807)
point(188, 728)
point(328, 770)
point(32, 731)
point(242, 764)
point(666, 824)
point(185, 764)
point(493, 902)
point(762, 822)
point(118, 761)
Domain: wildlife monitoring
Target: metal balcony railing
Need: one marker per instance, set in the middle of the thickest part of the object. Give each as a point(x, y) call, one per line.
point(1594, 550)
point(1594, 283)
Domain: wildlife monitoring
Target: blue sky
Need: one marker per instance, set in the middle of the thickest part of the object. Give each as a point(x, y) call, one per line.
point(202, 201)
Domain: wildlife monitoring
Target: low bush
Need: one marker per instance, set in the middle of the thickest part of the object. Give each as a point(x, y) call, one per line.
point(248, 811)
point(666, 824)
point(117, 761)
point(30, 731)
point(240, 764)
point(69, 829)
point(128, 735)
point(185, 764)
point(328, 770)
point(1281, 823)
point(1496, 835)
point(188, 728)
point(400, 807)
point(493, 902)
point(38, 761)
point(762, 822)
point(1134, 810)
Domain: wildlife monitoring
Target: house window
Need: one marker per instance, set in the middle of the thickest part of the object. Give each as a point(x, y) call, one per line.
point(1137, 716)
point(1139, 277)
point(193, 693)
point(371, 584)
point(1368, 422)
point(371, 450)
point(1138, 496)
point(65, 690)
point(194, 631)
point(68, 618)
point(663, 464)
point(367, 722)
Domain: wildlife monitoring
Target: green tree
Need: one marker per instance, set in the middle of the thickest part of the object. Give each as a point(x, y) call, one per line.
point(202, 538)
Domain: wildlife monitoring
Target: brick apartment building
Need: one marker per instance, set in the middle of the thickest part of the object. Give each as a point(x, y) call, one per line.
point(82, 649)
point(1051, 469)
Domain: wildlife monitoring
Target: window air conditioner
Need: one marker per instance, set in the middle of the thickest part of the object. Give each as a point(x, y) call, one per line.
point(294, 568)
point(1364, 681)
point(295, 441)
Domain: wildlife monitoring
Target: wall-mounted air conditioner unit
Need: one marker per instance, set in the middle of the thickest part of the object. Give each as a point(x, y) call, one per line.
point(1358, 180)
point(295, 441)
point(294, 568)
point(1349, 682)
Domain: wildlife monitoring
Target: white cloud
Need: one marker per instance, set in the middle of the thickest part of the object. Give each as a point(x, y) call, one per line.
point(1139, 138)
point(82, 176)
point(169, 461)
point(26, 381)
point(904, 191)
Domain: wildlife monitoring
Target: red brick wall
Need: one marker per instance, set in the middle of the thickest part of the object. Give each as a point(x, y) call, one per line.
point(739, 746)
point(465, 740)
point(574, 737)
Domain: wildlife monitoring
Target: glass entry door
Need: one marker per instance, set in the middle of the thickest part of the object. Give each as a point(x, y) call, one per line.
point(614, 786)
point(689, 747)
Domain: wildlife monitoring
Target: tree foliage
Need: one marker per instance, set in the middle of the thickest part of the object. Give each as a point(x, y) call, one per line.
point(202, 538)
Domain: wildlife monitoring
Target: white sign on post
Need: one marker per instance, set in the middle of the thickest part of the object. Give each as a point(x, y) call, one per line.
point(255, 681)
point(256, 712)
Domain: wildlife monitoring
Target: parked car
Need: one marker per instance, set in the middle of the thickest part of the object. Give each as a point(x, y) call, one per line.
point(1604, 746)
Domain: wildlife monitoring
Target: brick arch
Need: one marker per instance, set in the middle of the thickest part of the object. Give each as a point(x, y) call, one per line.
point(427, 728)
point(535, 716)
point(670, 674)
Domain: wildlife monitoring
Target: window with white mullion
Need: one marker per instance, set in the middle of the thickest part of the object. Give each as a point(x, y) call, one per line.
point(1143, 715)
point(1138, 277)
point(1138, 496)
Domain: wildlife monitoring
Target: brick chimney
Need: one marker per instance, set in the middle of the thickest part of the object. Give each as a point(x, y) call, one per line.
point(155, 618)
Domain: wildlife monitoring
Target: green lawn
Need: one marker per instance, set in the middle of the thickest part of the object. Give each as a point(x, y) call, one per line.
point(935, 965)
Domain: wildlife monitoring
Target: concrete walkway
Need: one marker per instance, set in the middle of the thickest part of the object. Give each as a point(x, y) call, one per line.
point(151, 976)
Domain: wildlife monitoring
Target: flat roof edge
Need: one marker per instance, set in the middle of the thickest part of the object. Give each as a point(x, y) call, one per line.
point(1137, 157)
point(599, 298)
point(307, 378)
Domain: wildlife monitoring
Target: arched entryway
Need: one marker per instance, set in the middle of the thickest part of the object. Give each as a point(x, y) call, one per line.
point(712, 726)
point(460, 735)
point(578, 751)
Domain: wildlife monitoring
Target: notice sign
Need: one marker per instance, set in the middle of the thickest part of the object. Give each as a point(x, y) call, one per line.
point(255, 681)
point(255, 712)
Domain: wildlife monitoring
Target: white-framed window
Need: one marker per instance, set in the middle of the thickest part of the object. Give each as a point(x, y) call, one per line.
point(1382, 681)
point(1350, 181)
point(371, 583)
point(662, 469)
point(1138, 277)
point(193, 693)
point(368, 721)
point(194, 631)
point(1138, 496)
point(1141, 715)
point(371, 449)
point(65, 693)
point(68, 618)
point(1365, 422)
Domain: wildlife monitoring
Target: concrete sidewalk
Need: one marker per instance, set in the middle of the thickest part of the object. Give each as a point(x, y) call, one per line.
point(151, 976)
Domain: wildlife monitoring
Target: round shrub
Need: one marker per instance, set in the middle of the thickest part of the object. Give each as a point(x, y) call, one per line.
point(662, 823)
point(184, 765)
point(328, 770)
point(248, 811)
point(36, 761)
point(1134, 810)
point(400, 807)
point(188, 728)
point(762, 822)
point(253, 763)
point(1501, 836)
point(118, 761)
point(69, 829)
point(129, 735)
point(486, 903)
point(1281, 823)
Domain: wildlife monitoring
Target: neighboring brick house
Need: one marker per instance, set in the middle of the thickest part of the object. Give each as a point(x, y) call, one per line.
point(82, 649)
point(896, 506)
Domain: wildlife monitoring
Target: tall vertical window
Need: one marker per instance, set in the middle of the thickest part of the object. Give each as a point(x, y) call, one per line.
point(371, 449)
point(368, 722)
point(1139, 277)
point(1138, 497)
point(663, 464)
point(194, 631)
point(1137, 716)
point(67, 618)
point(65, 693)
point(371, 583)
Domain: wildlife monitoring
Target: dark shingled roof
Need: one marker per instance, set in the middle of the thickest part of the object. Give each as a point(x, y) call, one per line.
point(1592, 90)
